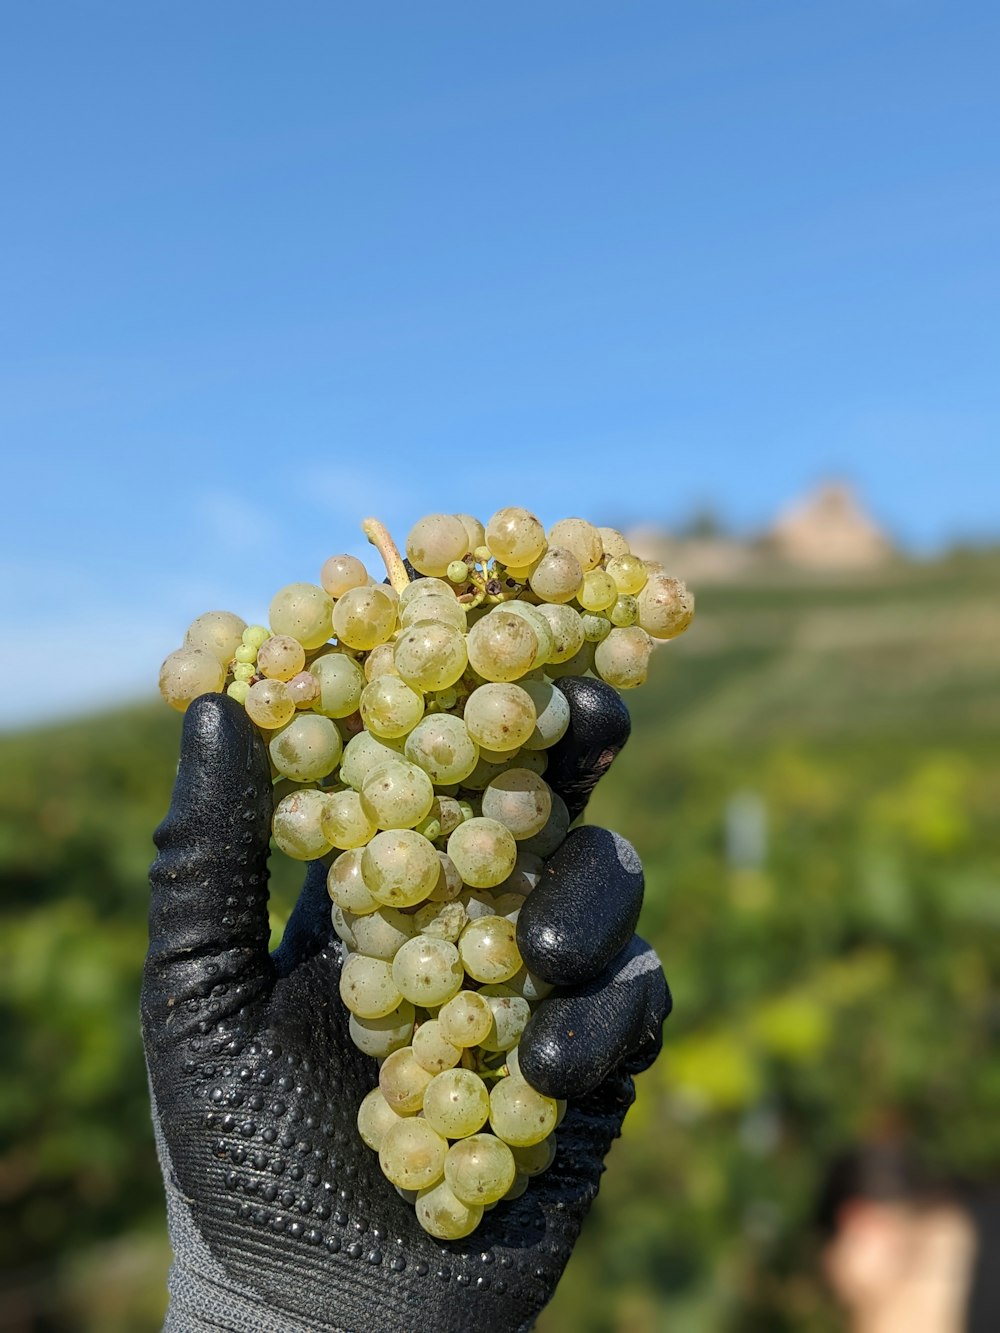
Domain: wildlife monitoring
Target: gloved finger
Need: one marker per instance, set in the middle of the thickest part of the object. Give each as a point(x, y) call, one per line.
point(309, 930)
point(574, 1040)
point(208, 915)
point(584, 908)
point(599, 726)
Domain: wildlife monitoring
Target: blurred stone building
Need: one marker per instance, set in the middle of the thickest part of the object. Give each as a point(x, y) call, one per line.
point(826, 531)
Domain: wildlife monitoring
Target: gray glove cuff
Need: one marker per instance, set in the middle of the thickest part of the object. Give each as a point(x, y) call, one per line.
point(203, 1298)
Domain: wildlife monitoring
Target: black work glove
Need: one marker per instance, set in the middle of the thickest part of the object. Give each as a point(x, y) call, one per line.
point(279, 1216)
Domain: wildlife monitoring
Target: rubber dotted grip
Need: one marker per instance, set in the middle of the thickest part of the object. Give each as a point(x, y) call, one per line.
point(584, 909)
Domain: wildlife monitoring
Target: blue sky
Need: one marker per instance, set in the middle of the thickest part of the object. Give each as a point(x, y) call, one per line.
point(265, 269)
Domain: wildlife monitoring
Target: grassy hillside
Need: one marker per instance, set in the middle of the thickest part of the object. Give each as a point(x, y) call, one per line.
point(813, 783)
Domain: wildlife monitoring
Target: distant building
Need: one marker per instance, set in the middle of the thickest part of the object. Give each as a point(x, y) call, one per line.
point(826, 530)
point(829, 529)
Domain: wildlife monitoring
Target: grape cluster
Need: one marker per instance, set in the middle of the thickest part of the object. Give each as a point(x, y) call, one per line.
point(407, 724)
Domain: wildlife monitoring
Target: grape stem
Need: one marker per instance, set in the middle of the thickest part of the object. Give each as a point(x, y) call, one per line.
point(378, 534)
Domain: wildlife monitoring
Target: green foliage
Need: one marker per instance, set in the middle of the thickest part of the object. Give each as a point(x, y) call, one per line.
point(830, 983)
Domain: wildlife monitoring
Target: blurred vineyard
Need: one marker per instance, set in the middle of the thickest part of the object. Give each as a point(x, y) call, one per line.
point(813, 782)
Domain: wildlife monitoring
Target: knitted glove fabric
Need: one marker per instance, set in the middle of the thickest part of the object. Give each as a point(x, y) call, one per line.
point(279, 1216)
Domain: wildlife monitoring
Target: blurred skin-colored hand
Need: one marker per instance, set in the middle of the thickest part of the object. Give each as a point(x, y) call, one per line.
point(279, 1215)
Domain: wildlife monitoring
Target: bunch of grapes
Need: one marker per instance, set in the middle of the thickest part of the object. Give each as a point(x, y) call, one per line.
point(407, 724)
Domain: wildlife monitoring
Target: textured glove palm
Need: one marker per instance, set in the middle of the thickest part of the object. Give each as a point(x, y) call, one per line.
point(279, 1216)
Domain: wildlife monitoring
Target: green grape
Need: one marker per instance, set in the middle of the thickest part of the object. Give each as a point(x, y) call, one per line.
point(390, 708)
point(341, 573)
point(435, 607)
point(432, 1051)
point(306, 748)
point(218, 633)
point(281, 657)
point(517, 1188)
point(297, 825)
point(552, 715)
point(520, 800)
point(580, 537)
point(538, 622)
point(515, 537)
point(578, 665)
point(383, 933)
point(557, 576)
point(364, 617)
point(303, 689)
point(244, 672)
point(444, 1216)
point(379, 662)
point(449, 884)
point(412, 1154)
point(629, 573)
point(535, 1159)
point(341, 681)
point(364, 753)
point(484, 853)
point(623, 658)
point(238, 690)
point(566, 628)
point(502, 646)
point(442, 748)
point(397, 795)
point(479, 1169)
point(379, 1037)
point(188, 673)
point(430, 656)
point(486, 770)
point(458, 572)
point(403, 1082)
point(598, 591)
point(245, 655)
point(346, 886)
point(535, 761)
point(474, 531)
point(303, 611)
point(510, 1014)
point(400, 868)
point(427, 971)
point(456, 1103)
point(508, 904)
point(595, 627)
point(625, 611)
point(255, 635)
point(502, 759)
point(367, 987)
point(343, 923)
point(434, 542)
point(518, 1114)
point(499, 716)
point(488, 949)
point(613, 542)
point(666, 607)
point(345, 822)
point(375, 1119)
point(269, 704)
point(466, 1019)
point(424, 587)
point(443, 920)
point(545, 843)
point(446, 810)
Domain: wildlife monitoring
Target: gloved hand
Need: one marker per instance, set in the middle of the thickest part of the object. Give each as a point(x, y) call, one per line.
point(279, 1216)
